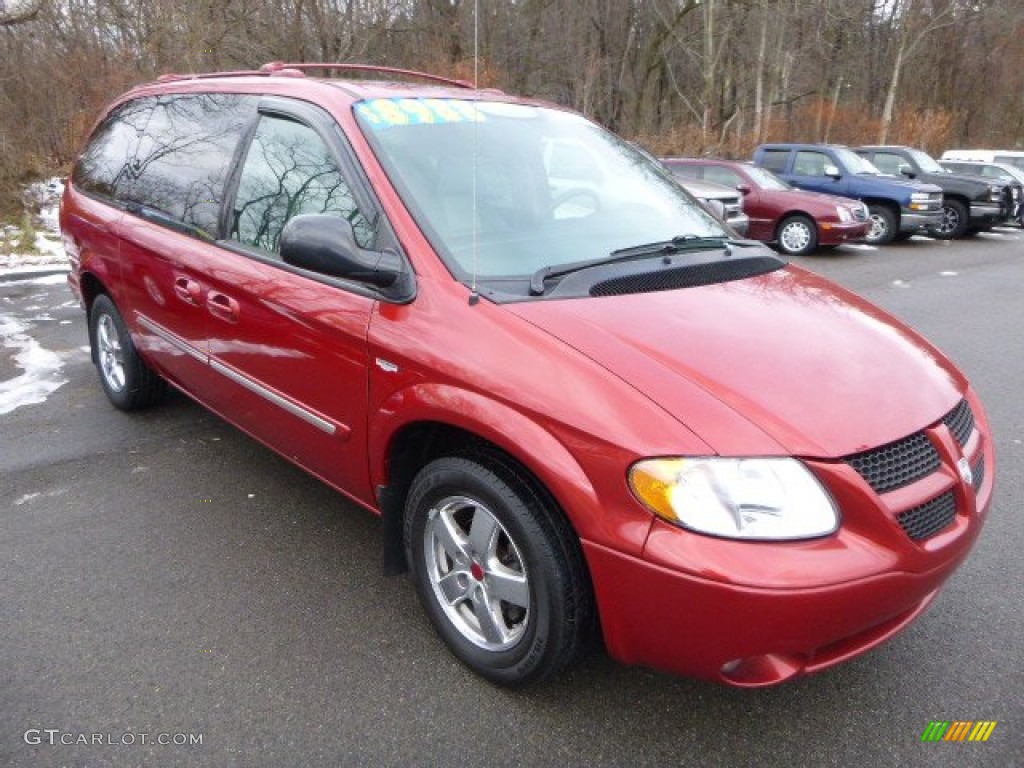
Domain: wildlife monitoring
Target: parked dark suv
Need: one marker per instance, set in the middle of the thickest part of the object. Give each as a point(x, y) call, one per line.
point(970, 204)
point(575, 399)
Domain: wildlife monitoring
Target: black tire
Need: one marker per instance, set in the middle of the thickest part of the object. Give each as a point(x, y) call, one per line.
point(129, 383)
point(954, 221)
point(797, 235)
point(883, 225)
point(473, 581)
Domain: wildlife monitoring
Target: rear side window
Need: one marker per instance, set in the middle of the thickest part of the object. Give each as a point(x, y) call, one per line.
point(168, 153)
point(289, 170)
point(182, 159)
point(775, 159)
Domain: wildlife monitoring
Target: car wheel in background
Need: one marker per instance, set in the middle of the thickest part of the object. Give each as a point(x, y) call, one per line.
point(129, 383)
point(499, 572)
point(954, 220)
point(883, 225)
point(797, 235)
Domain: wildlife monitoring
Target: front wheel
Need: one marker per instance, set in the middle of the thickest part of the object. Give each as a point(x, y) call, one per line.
point(497, 569)
point(954, 220)
point(883, 225)
point(797, 236)
point(128, 382)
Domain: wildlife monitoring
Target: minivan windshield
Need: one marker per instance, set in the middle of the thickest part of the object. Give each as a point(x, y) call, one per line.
point(505, 190)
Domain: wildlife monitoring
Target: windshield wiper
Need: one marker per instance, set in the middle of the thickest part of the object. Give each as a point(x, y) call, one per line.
point(677, 244)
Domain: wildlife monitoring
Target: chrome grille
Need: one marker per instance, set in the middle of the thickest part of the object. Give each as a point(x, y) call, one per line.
point(897, 464)
point(929, 518)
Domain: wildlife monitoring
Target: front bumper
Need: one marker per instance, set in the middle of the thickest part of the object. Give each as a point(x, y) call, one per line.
point(914, 221)
point(988, 214)
point(758, 613)
point(836, 233)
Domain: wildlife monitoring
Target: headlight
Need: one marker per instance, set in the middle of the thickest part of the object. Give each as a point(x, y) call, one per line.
point(736, 498)
point(995, 193)
point(844, 214)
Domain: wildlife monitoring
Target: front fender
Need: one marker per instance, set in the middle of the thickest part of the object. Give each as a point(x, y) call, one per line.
point(619, 522)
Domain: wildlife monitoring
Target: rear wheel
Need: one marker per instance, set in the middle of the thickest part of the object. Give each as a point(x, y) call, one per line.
point(883, 225)
point(499, 572)
point(128, 382)
point(797, 235)
point(954, 220)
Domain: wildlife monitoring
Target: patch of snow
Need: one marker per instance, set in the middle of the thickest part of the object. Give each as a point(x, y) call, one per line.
point(41, 368)
point(44, 197)
point(29, 278)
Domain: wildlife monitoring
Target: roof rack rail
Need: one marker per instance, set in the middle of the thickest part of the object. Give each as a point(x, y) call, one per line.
point(274, 67)
point(169, 77)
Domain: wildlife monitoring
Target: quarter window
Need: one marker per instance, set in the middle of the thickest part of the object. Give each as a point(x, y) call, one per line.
point(105, 164)
point(289, 171)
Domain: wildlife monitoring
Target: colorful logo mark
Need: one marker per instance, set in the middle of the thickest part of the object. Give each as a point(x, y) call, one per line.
point(958, 730)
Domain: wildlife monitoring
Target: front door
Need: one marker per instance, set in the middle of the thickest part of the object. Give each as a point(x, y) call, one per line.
point(290, 346)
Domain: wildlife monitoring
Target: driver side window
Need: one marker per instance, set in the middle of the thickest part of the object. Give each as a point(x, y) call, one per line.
point(288, 171)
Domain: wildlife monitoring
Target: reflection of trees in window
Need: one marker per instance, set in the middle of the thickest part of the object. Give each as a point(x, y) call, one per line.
point(170, 153)
point(182, 159)
point(105, 161)
point(289, 171)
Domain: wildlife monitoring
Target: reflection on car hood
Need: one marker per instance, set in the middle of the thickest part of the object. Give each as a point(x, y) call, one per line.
point(818, 370)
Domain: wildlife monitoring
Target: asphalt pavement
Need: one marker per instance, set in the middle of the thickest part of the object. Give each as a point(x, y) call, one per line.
point(164, 578)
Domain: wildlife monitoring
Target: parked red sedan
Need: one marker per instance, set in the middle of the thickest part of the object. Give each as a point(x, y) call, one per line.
point(795, 221)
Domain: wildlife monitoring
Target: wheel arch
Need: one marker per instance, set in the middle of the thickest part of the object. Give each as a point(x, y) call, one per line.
point(795, 212)
point(400, 447)
point(883, 202)
point(90, 287)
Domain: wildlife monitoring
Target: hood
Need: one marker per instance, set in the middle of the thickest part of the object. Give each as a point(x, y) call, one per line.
point(802, 195)
point(911, 185)
point(969, 178)
point(817, 369)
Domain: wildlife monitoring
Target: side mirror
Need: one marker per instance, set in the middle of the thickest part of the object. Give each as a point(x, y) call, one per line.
point(907, 171)
point(743, 188)
point(326, 244)
point(833, 171)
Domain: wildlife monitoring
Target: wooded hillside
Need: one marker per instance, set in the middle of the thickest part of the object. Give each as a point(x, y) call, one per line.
point(680, 76)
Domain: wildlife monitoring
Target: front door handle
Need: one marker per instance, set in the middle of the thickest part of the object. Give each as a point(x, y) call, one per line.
point(222, 306)
point(188, 290)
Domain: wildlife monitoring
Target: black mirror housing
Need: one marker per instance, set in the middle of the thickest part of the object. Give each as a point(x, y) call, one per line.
point(326, 244)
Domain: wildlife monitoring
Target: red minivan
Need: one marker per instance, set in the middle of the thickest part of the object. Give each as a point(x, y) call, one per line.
point(576, 402)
